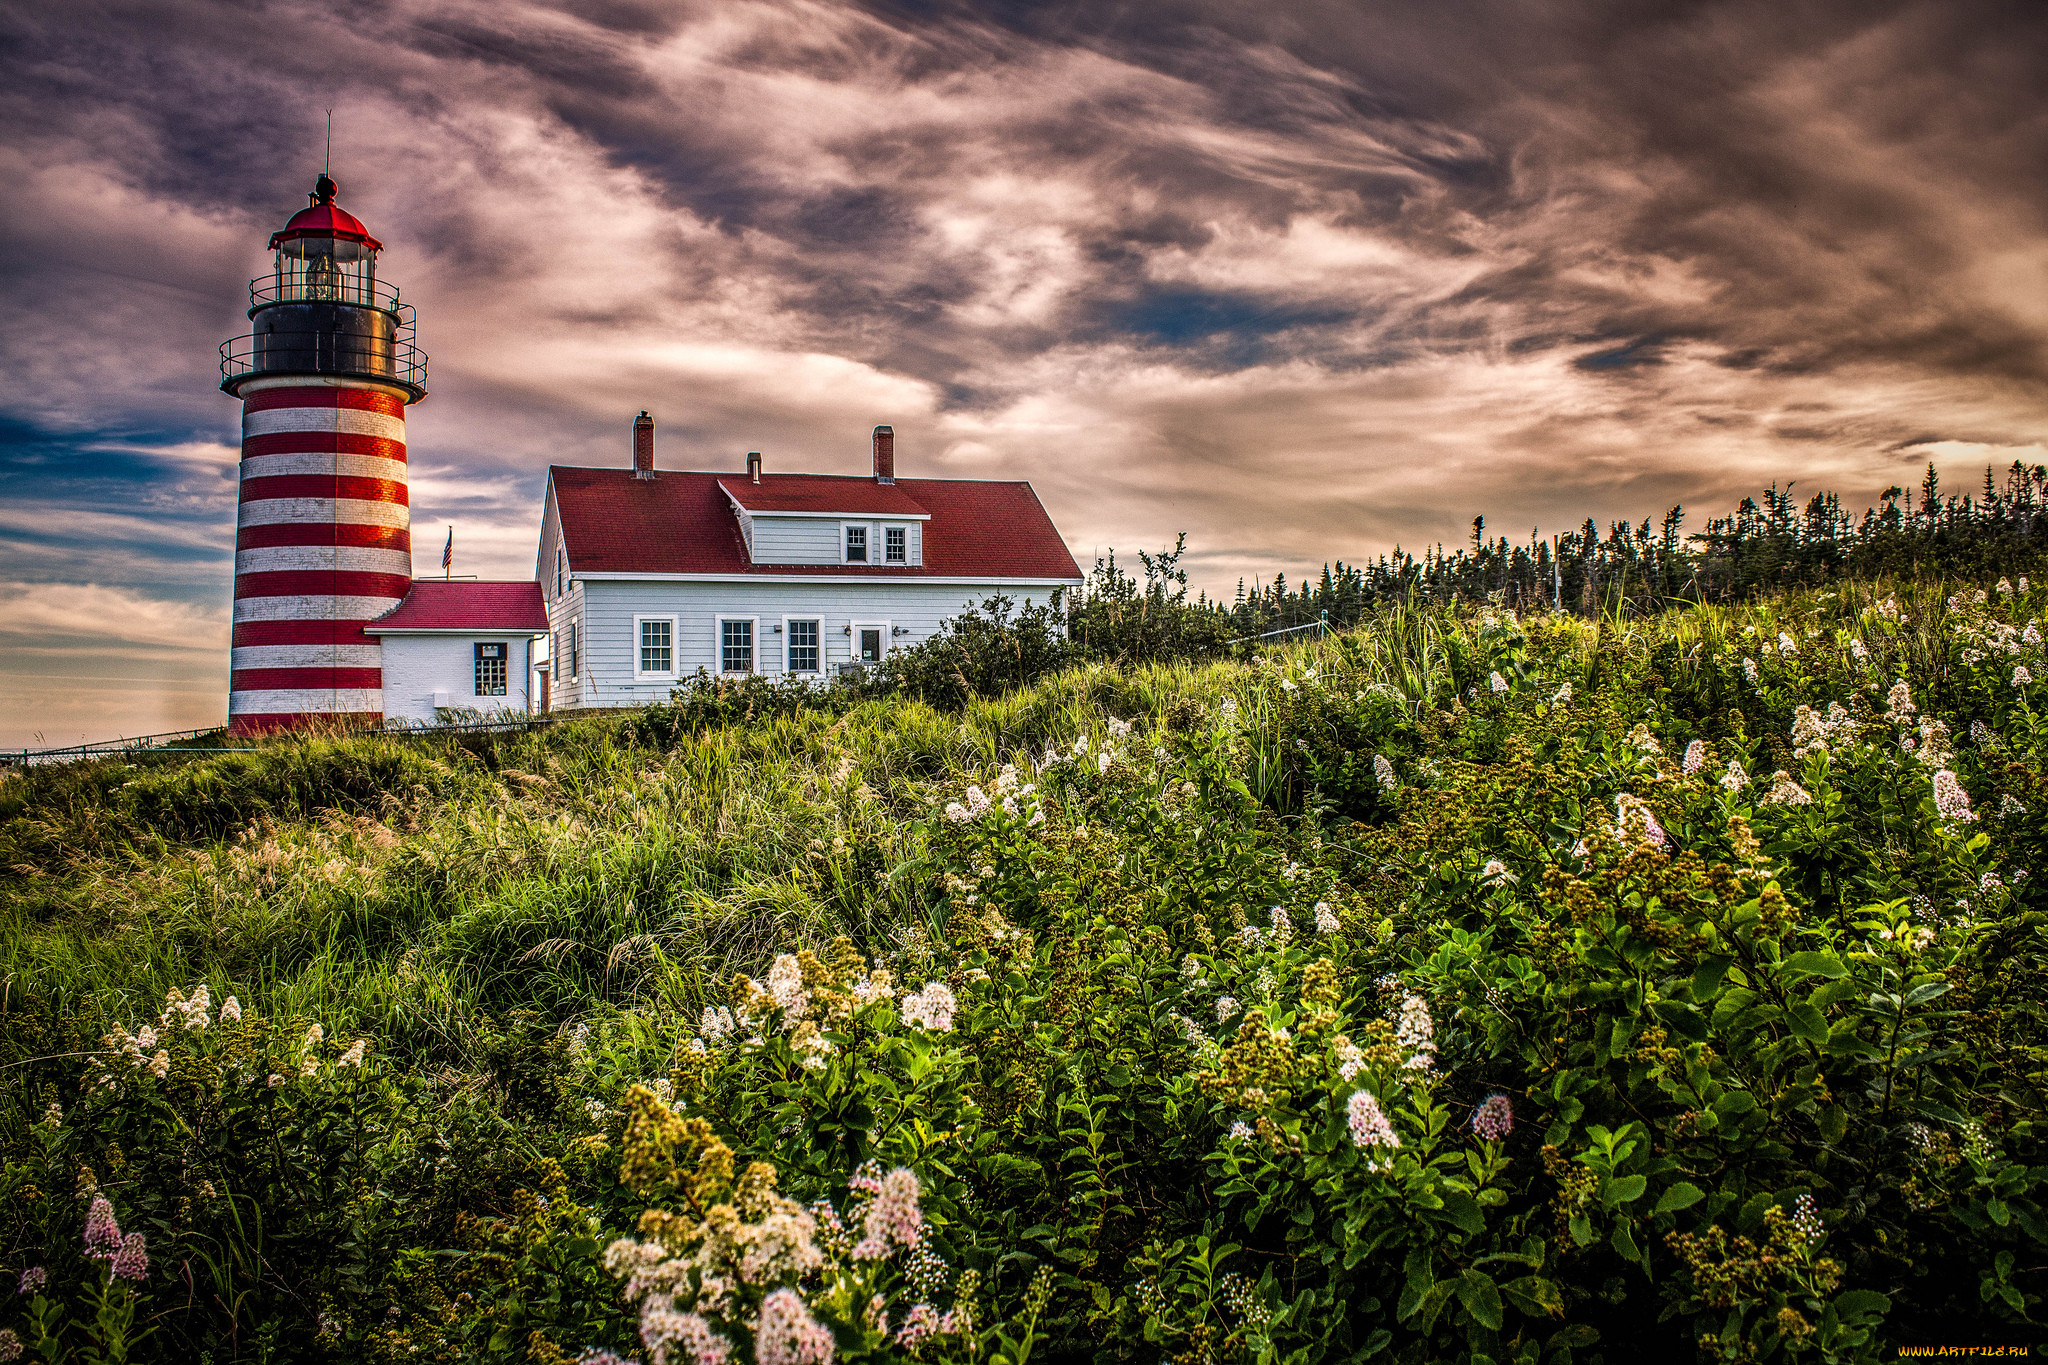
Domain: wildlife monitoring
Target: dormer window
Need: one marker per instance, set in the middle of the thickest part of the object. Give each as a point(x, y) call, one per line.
point(856, 544)
point(895, 545)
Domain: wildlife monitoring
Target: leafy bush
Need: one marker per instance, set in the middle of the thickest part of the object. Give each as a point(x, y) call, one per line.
point(1468, 989)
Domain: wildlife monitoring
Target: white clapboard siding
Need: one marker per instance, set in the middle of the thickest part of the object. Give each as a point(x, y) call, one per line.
point(607, 610)
point(817, 540)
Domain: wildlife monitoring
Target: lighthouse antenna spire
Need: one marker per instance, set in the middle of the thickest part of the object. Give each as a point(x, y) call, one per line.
point(327, 158)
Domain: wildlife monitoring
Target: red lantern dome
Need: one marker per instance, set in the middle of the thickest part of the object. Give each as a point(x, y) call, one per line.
point(322, 219)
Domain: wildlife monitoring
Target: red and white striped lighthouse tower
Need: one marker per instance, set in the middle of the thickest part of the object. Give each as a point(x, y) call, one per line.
point(324, 536)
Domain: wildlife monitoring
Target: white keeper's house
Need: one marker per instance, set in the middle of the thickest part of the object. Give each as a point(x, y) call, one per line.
point(652, 574)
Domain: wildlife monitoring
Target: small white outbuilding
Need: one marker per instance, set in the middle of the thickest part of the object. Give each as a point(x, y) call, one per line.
point(455, 648)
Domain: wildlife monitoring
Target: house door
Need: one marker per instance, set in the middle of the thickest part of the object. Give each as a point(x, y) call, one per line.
point(870, 644)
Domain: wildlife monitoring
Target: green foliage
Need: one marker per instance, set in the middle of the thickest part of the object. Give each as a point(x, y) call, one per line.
point(1463, 988)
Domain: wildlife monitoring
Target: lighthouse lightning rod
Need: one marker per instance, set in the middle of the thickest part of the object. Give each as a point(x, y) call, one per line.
point(327, 158)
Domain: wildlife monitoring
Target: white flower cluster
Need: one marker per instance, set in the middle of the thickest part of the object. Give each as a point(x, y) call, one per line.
point(1326, 919)
point(1695, 757)
point(1384, 772)
point(191, 1012)
point(1636, 823)
point(1813, 733)
point(1415, 1033)
point(1785, 792)
point(930, 1009)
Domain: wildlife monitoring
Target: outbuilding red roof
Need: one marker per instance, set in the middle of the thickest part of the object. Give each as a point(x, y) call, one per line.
point(456, 604)
point(682, 522)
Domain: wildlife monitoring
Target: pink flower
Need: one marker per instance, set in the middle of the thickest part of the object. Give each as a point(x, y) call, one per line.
point(131, 1262)
point(102, 1233)
point(789, 1335)
point(10, 1344)
point(1369, 1128)
point(1950, 800)
point(920, 1324)
point(894, 1217)
point(1494, 1119)
point(33, 1279)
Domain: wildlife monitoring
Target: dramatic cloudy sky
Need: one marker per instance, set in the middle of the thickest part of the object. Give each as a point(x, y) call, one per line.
point(1304, 279)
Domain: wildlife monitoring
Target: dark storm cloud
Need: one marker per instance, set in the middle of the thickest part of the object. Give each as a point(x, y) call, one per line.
point(1304, 279)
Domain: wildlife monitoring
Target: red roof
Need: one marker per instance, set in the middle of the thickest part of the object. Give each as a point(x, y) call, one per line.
point(451, 604)
point(323, 219)
point(822, 493)
point(681, 522)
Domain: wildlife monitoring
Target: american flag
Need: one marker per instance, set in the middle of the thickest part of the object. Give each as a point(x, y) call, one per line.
point(448, 552)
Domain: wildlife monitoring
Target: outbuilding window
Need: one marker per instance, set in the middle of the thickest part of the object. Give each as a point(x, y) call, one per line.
point(490, 669)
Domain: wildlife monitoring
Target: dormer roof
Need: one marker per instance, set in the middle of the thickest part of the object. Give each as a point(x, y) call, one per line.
point(823, 495)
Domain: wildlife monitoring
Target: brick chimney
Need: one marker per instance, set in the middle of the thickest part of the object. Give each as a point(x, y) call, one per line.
point(643, 447)
point(754, 465)
point(885, 454)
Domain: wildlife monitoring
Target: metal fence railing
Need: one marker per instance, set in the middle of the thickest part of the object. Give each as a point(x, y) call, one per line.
point(22, 758)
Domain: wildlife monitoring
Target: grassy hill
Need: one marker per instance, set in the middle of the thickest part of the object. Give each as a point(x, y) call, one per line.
point(1459, 988)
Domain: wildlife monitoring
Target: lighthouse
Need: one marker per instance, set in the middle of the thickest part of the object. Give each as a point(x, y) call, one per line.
point(323, 540)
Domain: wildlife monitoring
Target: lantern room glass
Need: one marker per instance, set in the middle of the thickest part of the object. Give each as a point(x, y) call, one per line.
point(326, 270)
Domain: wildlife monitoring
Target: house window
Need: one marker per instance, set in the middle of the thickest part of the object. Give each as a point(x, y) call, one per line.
point(736, 646)
point(869, 641)
point(895, 545)
point(575, 653)
point(490, 670)
point(561, 564)
point(803, 646)
point(856, 544)
point(657, 644)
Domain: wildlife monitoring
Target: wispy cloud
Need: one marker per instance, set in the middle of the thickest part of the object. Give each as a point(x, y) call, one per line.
point(1305, 280)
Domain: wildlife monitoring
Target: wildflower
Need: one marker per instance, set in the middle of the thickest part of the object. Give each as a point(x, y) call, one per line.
point(1350, 1061)
point(1734, 780)
point(1635, 822)
point(1989, 882)
point(1494, 1119)
point(10, 1344)
point(2009, 805)
point(1190, 966)
point(2031, 636)
point(957, 813)
point(274, 1080)
point(1858, 650)
point(1283, 927)
point(1645, 743)
point(930, 1009)
point(1226, 1008)
point(1240, 1132)
point(2021, 677)
point(1384, 771)
point(33, 1279)
point(1805, 1218)
point(2004, 586)
point(1950, 800)
point(1416, 1032)
point(786, 987)
point(894, 1217)
point(789, 1335)
point(977, 802)
point(1695, 757)
point(131, 1262)
point(1326, 919)
point(1749, 668)
point(1497, 683)
point(354, 1055)
point(920, 1324)
point(1006, 780)
point(314, 1035)
point(145, 1040)
point(1037, 816)
point(2023, 582)
point(1102, 761)
point(1080, 745)
point(716, 1023)
point(160, 1065)
point(1563, 694)
point(230, 1010)
point(1119, 727)
point(102, 1233)
point(1369, 1128)
point(1899, 708)
point(308, 1067)
point(1786, 644)
point(1785, 792)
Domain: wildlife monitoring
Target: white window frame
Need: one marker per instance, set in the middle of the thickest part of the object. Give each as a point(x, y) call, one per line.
point(853, 630)
point(561, 570)
point(674, 649)
point(718, 668)
point(573, 656)
point(887, 527)
point(476, 659)
point(867, 528)
point(819, 671)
